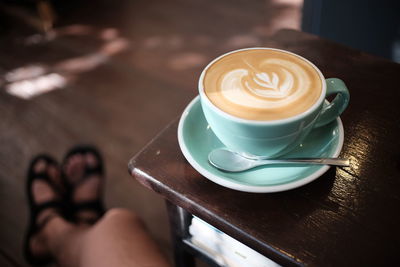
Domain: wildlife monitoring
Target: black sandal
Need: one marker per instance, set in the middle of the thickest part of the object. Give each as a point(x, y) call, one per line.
point(36, 209)
point(95, 205)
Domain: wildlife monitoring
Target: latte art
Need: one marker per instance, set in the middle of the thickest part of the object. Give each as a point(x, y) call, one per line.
point(278, 90)
point(261, 84)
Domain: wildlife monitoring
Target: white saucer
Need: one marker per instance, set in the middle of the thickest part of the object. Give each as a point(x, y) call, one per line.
point(196, 140)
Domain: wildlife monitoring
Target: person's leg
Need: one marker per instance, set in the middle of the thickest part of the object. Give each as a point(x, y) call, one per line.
point(118, 238)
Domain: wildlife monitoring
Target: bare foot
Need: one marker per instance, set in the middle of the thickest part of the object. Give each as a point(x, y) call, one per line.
point(43, 191)
point(84, 173)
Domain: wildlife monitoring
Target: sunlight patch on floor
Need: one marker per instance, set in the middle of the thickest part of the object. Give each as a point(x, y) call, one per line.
point(29, 88)
point(36, 79)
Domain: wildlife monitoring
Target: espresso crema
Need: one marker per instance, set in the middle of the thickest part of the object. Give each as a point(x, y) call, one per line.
point(262, 84)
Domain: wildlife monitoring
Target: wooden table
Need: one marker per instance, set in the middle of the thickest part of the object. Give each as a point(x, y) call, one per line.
point(347, 217)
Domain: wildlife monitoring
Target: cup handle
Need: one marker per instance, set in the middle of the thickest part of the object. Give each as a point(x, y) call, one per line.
point(338, 105)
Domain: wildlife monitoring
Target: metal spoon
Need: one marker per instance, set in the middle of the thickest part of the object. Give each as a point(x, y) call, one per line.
point(230, 161)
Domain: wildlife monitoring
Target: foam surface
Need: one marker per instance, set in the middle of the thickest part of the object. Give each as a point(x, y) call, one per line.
point(261, 84)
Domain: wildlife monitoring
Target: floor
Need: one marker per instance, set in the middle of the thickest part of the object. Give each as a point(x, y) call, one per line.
point(104, 76)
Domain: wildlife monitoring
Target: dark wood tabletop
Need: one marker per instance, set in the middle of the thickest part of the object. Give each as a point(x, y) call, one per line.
point(347, 217)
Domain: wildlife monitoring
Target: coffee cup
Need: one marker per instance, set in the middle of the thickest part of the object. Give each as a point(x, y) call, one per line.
point(265, 101)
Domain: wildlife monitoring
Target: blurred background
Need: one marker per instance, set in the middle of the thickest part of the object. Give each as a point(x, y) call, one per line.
point(103, 72)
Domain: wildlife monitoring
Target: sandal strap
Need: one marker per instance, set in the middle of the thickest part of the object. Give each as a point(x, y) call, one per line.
point(46, 178)
point(94, 170)
point(56, 204)
point(95, 205)
point(47, 219)
point(88, 172)
point(38, 208)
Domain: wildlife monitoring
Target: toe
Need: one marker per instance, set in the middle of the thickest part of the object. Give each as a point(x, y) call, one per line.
point(54, 175)
point(75, 168)
point(40, 166)
point(91, 160)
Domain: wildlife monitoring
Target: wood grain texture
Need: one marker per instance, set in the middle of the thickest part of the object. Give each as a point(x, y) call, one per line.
point(347, 217)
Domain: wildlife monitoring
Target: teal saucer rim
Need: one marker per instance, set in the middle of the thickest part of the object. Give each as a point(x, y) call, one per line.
point(219, 179)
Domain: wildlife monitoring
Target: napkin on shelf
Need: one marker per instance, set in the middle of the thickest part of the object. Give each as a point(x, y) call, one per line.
point(224, 249)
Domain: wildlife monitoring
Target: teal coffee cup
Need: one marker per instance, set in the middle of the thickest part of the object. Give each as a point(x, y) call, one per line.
point(265, 101)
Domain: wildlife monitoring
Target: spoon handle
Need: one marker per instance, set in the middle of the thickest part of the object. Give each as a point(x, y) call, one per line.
point(324, 161)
